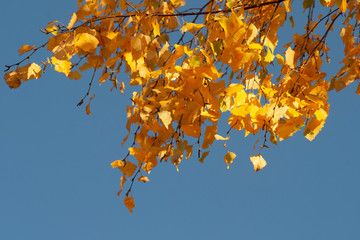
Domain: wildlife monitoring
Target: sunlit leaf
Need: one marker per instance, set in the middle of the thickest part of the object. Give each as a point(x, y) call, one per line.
point(143, 179)
point(258, 162)
point(86, 42)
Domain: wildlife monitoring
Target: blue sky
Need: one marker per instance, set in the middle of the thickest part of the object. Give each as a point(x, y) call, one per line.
point(57, 183)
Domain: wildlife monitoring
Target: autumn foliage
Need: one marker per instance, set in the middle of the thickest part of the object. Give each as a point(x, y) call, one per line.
point(193, 65)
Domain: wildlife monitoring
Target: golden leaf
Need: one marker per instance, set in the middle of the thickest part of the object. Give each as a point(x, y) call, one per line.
point(191, 27)
point(104, 77)
point(129, 203)
point(25, 49)
point(52, 29)
point(156, 28)
point(86, 42)
point(229, 158)
point(128, 169)
point(72, 21)
point(258, 162)
point(62, 66)
point(117, 163)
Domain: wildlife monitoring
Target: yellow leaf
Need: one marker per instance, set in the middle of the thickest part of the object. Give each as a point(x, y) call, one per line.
point(191, 27)
point(72, 21)
point(218, 137)
point(289, 56)
point(269, 56)
point(258, 161)
point(156, 28)
point(25, 49)
point(321, 114)
point(63, 66)
point(86, 42)
point(117, 163)
point(342, 5)
point(143, 179)
point(255, 46)
point(52, 29)
point(128, 169)
point(165, 117)
point(129, 203)
point(287, 4)
point(229, 158)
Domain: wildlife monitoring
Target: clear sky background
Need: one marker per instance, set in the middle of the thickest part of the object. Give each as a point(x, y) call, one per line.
point(57, 183)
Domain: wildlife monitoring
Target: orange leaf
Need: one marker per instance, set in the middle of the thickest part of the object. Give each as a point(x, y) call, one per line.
point(129, 203)
point(13, 79)
point(122, 183)
point(358, 89)
point(88, 112)
point(75, 75)
point(25, 49)
point(209, 137)
point(203, 156)
point(128, 169)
